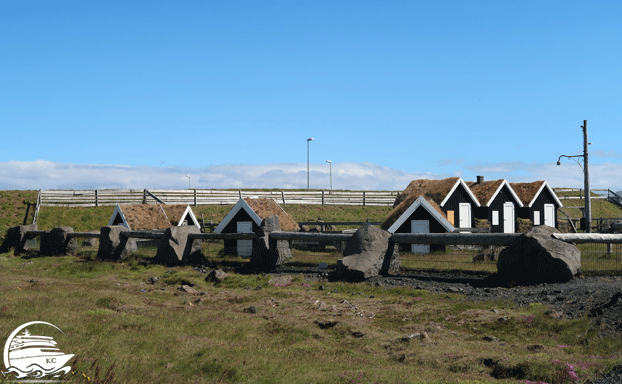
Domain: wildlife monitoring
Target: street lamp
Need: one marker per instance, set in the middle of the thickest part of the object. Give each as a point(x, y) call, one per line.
point(587, 210)
point(330, 165)
point(188, 176)
point(308, 140)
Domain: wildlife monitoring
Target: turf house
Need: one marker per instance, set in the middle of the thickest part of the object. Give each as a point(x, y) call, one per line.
point(499, 204)
point(246, 217)
point(418, 215)
point(540, 203)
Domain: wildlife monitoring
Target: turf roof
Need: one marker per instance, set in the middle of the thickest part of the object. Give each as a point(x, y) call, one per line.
point(484, 191)
point(152, 216)
point(265, 207)
point(431, 190)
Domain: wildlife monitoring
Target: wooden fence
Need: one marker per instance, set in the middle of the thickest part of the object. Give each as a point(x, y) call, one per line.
point(102, 197)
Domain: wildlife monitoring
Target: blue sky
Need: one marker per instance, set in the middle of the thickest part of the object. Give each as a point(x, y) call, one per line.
point(135, 94)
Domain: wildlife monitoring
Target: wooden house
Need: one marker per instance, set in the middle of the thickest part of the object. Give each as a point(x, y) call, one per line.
point(418, 215)
point(452, 195)
point(152, 216)
point(246, 217)
point(540, 203)
point(499, 204)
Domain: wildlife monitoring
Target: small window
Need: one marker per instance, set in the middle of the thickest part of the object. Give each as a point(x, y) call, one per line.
point(536, 217)
point(495, 217)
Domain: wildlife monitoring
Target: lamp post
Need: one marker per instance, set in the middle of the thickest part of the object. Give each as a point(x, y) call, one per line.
point(188, 176)
point(330, 165)
point(308, 140)
point(587, 210)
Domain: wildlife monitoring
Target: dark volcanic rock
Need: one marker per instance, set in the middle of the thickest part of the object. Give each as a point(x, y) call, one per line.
point(16, 238)
point(268, 254)
point(536, 257)
point(368, 253)
point(176, 248)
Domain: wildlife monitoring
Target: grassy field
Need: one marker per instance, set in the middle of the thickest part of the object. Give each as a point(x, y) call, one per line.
point(124, 330)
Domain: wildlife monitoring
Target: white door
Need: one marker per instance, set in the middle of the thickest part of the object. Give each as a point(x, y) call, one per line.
point(420, 226)
point(465, 215)
point(508, 218)
point(245, 247)
point(549, 215)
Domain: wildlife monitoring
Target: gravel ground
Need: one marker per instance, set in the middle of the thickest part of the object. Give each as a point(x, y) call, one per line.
point(599, 297)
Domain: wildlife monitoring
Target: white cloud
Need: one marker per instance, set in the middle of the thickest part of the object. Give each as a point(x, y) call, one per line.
point(49, 175)
point(355, 176)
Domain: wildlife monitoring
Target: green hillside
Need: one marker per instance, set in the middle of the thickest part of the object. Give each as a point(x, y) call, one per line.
point(16, 208)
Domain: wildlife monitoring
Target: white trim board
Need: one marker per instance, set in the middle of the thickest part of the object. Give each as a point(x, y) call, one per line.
point(118, 211)
point(421, 202)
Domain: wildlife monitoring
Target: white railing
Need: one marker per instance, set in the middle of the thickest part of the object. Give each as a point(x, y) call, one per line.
point(102, 197)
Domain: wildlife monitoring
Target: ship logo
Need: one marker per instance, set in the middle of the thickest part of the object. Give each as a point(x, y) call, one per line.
point(33, 356)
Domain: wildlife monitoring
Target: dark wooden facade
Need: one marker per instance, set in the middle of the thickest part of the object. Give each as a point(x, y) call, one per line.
point(502, 197)
point(435, 227)
point(545, 197)
point(231, 246)
point(459, 195)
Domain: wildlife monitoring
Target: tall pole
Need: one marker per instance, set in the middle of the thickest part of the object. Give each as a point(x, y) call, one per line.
point(308, 140)
point(330, 164)
point(587, 211)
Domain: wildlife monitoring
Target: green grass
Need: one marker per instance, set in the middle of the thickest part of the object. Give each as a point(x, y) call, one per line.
point(111, 317)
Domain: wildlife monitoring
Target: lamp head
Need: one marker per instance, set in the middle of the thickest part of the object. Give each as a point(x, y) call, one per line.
point(310, 139)
point(559, 162)
point(328, 161)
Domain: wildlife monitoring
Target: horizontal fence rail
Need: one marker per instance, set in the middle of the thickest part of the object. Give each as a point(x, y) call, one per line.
point(104, 197)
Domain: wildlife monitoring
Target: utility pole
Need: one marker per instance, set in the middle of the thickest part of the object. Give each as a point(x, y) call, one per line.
point(587, 211)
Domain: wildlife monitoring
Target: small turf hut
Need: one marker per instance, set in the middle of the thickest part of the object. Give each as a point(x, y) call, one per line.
point(246, 217)
point(540, 203)
point(418, 215)
point(452, 195)
point(499, 204)
point(152, 216)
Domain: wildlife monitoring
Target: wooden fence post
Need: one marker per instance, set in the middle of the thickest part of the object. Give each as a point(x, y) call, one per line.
point(195, 197)
point(96, 202)
point(283, 197)
point(363, 198)
point(323, 198)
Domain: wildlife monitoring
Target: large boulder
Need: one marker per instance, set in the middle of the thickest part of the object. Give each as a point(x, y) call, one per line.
point(17, 238)
point(369, 252)
point(55, 242)
point(175, 248)
point(267, 253)
point(536, 257)
point(113, 246)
